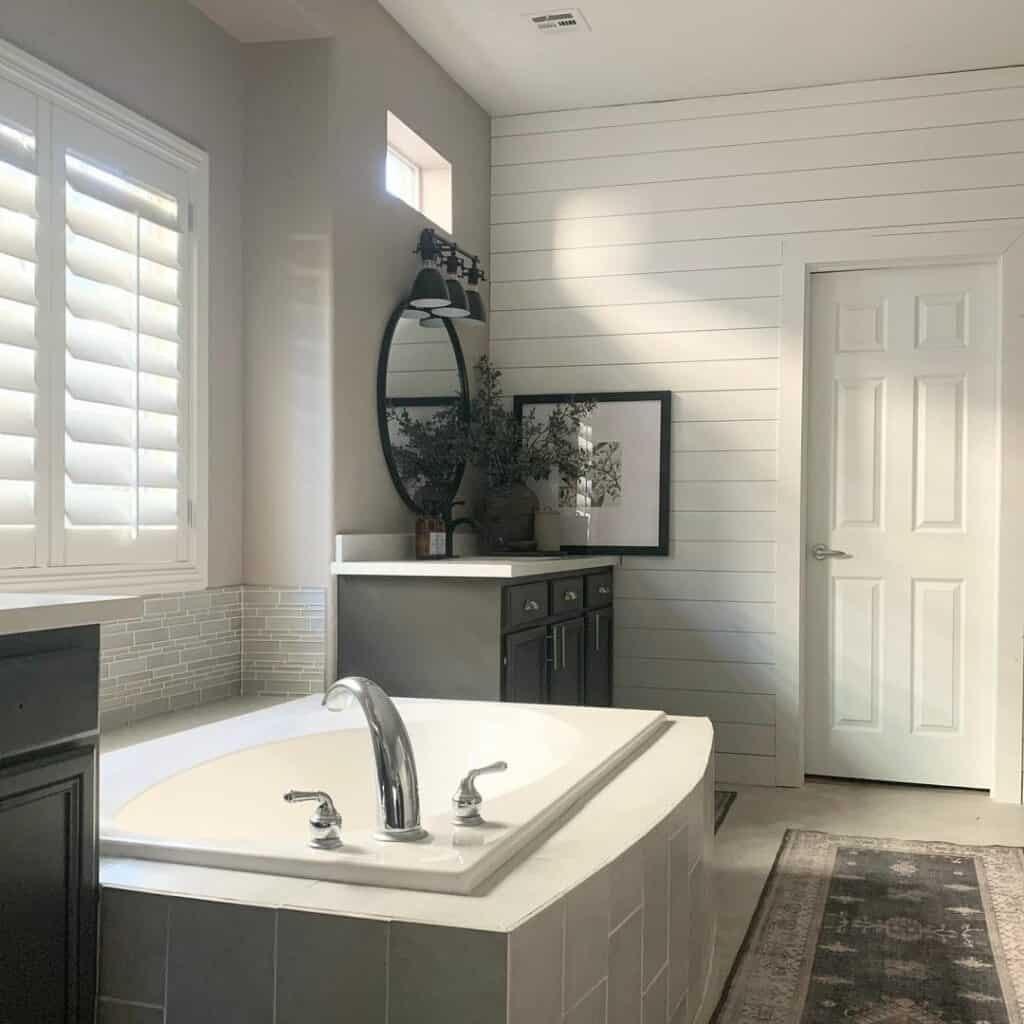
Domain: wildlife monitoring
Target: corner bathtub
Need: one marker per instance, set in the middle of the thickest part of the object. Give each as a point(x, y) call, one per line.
point(212, 796)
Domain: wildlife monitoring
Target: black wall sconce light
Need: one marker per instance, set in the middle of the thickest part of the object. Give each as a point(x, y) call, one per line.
point(436, 294)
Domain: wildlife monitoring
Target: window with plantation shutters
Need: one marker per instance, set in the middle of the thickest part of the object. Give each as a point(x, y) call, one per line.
point(100, 463)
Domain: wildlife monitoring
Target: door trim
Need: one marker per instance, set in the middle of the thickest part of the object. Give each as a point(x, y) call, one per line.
point(1002, 246)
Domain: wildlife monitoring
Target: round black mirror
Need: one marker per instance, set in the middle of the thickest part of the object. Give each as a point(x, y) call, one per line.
point(422, 408)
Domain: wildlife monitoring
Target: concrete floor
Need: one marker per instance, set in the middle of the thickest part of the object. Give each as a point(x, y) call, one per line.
point(751, 834)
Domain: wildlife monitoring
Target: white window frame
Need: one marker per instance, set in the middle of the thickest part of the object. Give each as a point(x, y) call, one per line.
point(62, 93)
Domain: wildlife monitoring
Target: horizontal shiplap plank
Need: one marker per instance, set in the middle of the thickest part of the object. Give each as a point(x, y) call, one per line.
point(624, 349)
point(741, 190)
point(740, 738)
point(741, 616)
point(760, 158)
point(753, 102)
point(727, 556)
point(724, 495)
point(632, 289)
point(613, 261)
point(695, 407)
point(721, 525)
point(767, 126)
point(695, 585)
point(717, 466)
point(744, 769)
point(739, 708)
point(644, 318)
point(717, 676)
point(969, 204)
point(736, 374)
point(725, 436)
point(698, 645)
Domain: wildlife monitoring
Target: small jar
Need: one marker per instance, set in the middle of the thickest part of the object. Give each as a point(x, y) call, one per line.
point(431, 537)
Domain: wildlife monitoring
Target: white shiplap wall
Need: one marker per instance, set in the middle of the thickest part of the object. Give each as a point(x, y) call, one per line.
point(639, 247)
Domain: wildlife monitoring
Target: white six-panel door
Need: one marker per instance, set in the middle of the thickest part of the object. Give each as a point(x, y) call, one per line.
point(902, 480)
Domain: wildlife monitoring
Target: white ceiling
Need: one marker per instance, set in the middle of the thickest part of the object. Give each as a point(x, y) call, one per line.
point(669, 49)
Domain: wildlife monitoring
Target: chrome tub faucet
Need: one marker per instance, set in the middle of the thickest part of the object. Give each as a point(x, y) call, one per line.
point(398, 794)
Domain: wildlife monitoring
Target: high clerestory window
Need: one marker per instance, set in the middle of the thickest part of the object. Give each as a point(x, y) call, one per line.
point(417, 174)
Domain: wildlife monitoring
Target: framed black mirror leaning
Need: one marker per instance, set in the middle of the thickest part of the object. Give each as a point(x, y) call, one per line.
point(422, 408)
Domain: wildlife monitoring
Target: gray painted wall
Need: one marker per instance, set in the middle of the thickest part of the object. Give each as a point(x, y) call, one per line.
point(165, 60)
point(376, 67)
point(288, 406)
point(323, 235)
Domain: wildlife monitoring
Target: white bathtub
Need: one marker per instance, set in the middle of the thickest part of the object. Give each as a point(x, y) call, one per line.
point(212, 796)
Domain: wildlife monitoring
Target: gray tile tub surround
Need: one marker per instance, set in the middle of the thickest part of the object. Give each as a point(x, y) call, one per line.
point(284, 649)
point(585, 958)
point(184, 650)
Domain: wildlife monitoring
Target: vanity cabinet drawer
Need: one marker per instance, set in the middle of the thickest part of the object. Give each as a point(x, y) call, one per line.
point(599, 589)
point(47, 697)
point(566, 595)
point(525, 604)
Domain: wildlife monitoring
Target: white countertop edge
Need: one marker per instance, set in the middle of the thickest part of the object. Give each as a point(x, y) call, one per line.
point(476, 568)
point(31, 612)
point(636, 800)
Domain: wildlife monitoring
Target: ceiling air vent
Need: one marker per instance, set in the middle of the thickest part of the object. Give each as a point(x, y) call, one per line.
point(561, 19)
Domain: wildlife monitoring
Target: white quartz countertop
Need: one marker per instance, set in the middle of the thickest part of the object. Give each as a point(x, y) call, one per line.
point(495, 567)
point(26, 613)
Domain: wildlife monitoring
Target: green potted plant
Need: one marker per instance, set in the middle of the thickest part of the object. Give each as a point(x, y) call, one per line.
point(510, 452)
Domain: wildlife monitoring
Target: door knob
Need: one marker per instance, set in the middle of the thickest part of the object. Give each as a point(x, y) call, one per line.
point(822, 551)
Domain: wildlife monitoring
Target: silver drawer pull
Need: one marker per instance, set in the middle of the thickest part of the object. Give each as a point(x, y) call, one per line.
point(604, 590)
point(531, 606)
point(569, 595)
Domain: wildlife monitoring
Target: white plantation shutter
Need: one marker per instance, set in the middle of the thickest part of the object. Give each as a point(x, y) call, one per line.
point(125, 332)
point(19, 387)
point(103, 247)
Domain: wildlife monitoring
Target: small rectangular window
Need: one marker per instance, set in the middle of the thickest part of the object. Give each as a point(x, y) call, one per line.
point(417, 174)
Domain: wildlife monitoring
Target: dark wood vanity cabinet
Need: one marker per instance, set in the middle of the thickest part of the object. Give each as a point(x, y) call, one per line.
point(540, 640)
point(576, 666)
point(48, 884)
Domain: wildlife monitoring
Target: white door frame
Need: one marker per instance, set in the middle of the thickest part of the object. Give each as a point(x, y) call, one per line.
point(1002, 246)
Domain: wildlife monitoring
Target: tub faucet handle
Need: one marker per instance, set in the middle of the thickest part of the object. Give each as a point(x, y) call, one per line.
point(324, 823)
point(467, 799)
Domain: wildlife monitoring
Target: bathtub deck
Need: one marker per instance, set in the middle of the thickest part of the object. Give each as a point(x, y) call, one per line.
point(632, 804)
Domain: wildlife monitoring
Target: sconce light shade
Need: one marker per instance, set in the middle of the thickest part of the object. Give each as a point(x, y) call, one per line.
point(431, 321)
point(412, 313)
point(457, 306)
point(477, 309)
point(429, 290)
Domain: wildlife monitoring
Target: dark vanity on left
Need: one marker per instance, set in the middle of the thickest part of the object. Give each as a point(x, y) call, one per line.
point(49, 709)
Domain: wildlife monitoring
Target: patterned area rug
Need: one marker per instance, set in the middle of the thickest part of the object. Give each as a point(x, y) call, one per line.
point(723, 802)
point(883, 931)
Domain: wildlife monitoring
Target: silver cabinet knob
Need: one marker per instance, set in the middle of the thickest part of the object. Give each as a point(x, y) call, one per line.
point(467, 799)
point(531, 606)
point(822, 551)
point(569, 595)
point(325, 822)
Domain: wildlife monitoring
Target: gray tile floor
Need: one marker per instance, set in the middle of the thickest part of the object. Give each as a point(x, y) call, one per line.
point(750, 837)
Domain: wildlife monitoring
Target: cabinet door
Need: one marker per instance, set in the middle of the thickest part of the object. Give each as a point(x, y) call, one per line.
point(597, 680)
point(526, 666)
point(566, 685)
point(48, 889)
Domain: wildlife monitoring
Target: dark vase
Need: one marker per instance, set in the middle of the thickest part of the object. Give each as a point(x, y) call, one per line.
point(507, 520)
